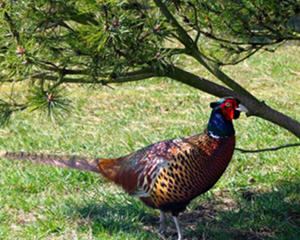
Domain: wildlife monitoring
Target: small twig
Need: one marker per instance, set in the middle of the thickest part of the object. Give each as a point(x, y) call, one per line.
point(268, 149)
point(243, 58)
point(106, 84)
point(196, 24)
point(12, 27)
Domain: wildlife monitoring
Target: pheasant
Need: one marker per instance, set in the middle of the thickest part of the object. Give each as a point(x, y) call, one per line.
point(166, 175)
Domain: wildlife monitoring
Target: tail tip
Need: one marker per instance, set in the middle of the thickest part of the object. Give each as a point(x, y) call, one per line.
point(3, 153)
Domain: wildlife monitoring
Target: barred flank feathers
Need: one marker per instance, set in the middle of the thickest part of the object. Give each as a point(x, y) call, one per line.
point(67, 161)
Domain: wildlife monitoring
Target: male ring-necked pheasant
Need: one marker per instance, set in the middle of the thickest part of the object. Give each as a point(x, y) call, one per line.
point(166, 175)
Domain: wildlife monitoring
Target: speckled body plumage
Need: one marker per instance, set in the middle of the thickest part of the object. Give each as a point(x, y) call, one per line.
point(169, 174)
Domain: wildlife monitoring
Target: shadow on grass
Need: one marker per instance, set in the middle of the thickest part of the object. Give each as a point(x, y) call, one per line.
point(251, 215)
point(114, 216)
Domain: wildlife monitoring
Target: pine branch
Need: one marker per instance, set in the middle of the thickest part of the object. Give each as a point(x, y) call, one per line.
point(189, 44)
point(134, 76)
point(7, 109)
point(234, 42)
point(12, 27)
point(196, 24)
point(243, 58)
point(215, 70)
point(183, 36)
point(105, 79)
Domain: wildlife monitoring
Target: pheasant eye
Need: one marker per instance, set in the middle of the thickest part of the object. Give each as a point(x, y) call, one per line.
point(227, 104)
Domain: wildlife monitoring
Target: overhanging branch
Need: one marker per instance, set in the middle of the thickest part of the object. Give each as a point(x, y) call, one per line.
point(255, 107)
point(128, 77)
point(194, 52)
point(215, 70)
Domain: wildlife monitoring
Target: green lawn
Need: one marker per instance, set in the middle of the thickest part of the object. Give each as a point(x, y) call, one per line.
point(257, 198)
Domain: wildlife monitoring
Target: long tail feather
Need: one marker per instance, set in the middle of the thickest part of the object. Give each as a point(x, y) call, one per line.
point(67, 161)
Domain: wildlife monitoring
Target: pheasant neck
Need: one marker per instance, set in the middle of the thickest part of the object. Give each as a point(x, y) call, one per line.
point(218, 126)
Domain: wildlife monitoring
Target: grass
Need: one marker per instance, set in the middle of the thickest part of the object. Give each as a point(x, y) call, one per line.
point(258, 197)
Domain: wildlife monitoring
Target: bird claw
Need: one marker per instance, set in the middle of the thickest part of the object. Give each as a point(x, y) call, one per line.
point(162, 230)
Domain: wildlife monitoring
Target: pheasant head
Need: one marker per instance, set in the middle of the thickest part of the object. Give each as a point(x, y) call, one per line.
point(224, 111)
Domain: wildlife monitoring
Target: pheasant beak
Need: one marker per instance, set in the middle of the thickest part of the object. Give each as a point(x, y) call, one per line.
point(241, 108)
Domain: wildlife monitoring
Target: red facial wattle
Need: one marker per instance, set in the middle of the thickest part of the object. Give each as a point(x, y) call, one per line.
point(228, 108)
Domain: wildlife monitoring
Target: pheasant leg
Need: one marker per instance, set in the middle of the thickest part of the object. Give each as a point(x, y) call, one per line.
point(162, 222)
point(178, 228)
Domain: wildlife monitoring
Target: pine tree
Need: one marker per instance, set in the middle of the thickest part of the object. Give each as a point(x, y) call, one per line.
point(45, 44)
